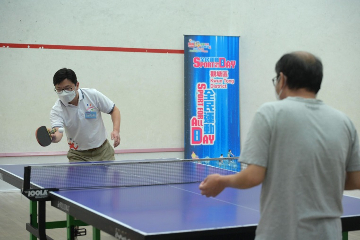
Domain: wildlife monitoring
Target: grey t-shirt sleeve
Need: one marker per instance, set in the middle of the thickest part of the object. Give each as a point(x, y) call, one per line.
point(353, 161)
point(256, 147)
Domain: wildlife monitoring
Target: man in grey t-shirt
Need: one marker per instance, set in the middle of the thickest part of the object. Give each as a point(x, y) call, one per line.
point(304, 152)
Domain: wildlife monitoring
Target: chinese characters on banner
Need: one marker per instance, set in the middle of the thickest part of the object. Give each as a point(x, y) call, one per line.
point(203, 124)
point(212, 118)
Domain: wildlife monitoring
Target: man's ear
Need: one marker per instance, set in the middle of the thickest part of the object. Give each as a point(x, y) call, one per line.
point(282, 80)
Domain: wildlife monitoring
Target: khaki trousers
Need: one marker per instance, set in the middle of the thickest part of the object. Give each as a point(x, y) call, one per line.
point(103, 153)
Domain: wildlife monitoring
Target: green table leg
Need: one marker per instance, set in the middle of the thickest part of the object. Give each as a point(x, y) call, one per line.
point(33, 217)
point(345, 235)
point(70, 226)
point(96, 234)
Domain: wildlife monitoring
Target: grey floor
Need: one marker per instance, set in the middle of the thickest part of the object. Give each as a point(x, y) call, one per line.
point(15, 211)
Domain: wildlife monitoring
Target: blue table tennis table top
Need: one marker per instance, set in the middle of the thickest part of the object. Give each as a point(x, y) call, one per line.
point(148, 212)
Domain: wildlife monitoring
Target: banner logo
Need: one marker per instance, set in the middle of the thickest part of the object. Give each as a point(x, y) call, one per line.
point(198, 46)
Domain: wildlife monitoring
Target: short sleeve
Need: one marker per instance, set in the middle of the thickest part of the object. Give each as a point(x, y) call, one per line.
point(256, 148)
point(353, 161)
point(105, 105)
point(56, 118)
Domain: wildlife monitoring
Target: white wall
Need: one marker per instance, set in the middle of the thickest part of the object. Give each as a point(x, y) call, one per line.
point(148, 88)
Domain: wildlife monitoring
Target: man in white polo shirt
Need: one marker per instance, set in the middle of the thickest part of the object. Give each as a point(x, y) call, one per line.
point(78, 111)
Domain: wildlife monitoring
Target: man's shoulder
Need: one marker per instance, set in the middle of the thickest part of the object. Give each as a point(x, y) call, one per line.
point(341, 116)
point(270, 106)
point(287, 105)
point(58, 104)
point(90, 91)
point(57, 108)
point(97, 98)
point(290, 103)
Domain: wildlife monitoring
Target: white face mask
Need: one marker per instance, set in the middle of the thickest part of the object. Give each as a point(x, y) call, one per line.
point(67, 97)
point(278, 95)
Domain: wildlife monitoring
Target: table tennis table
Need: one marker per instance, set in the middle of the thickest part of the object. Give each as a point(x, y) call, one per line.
point(160, 211)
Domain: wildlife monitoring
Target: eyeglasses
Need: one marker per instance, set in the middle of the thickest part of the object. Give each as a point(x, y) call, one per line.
point(66, 89)
point(274, 80)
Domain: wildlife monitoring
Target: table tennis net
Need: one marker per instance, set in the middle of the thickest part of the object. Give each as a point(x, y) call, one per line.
point(126, 174)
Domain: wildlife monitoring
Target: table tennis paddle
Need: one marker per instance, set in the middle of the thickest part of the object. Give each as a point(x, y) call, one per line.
point(43, 135)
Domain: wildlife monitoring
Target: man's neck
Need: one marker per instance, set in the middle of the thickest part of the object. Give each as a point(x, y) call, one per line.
point(75, 101)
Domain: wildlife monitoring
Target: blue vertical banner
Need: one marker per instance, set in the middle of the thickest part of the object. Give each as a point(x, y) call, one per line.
point(212, 117)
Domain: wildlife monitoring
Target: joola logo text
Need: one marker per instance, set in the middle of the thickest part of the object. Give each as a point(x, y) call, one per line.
point(63, 206)
point(119, 235)
point(38, 193)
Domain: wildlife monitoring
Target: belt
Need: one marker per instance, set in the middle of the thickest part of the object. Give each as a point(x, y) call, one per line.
point(94, 149)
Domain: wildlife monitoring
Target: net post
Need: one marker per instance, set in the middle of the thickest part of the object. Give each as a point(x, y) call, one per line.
point(34, 194)
point(26, 183)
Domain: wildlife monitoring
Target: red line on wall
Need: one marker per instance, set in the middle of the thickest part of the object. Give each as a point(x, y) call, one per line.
point(89, 48)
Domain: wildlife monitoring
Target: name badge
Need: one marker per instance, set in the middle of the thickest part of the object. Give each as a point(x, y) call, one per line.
point(90, 115)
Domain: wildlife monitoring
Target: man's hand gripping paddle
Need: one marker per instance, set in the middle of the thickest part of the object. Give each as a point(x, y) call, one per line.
point(43, 135)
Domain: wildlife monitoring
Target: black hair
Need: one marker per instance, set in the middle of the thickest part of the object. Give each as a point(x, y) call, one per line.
point(63, 74)
point(301, 70)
